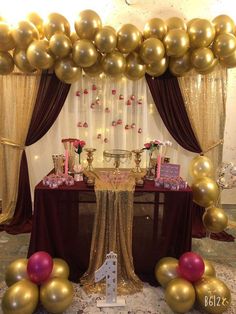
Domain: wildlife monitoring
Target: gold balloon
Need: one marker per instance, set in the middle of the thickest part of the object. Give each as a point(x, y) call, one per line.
point(16, 271)
point(224, 45)
point(96, 68)
point(39, 55)
point(215, 219)
point(114, 64)
point(209, 269)
point(135, 69)
point(205, 191)
point(179, 66)
point(35, 19)
point(105, 40)
point(56, 295)
point(74, 37)
point(202, 58)
point(175, 23)
point(60, 45)
point(6, 39)
point(166, 270)
point(223, 24)
point(21, 61)
point(201, 166)
point(213, 295)
point(128, 38)
point(84, 53)
point(157, 68)
point(20, 298)
point(176, 42)
point(67, 71)
point(24, 33)
point(155, 28)
point(180, 295)
point(190, 22)
point(230, 61)
point(56, 23)
point(152, 50)
point(60, 269)
point(6, 63)
point(210, 68)
point(201, 33)
point(87, 24)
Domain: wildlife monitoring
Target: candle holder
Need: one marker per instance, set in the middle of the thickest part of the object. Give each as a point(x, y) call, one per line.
point(119, 156)
point(89, 152)
point(137, 158)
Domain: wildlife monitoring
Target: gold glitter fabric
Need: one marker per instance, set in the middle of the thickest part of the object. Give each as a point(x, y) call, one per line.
point(112, 231)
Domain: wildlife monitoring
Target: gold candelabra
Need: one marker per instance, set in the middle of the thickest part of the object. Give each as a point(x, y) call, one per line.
point(137, 158)
point(89, 152)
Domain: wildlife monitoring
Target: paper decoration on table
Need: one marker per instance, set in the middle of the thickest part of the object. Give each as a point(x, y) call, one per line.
point(108, 270)
point(173, 184)
point(170, 170)
point(54, 181)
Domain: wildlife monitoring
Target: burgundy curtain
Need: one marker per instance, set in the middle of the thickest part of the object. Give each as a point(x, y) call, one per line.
point(167, 96)
point(50, 99)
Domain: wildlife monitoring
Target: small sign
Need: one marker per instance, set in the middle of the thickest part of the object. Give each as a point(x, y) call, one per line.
point(170, 170)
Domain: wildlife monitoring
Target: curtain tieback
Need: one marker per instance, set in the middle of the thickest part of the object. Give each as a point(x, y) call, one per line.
point(6, 141)
point(220, 142)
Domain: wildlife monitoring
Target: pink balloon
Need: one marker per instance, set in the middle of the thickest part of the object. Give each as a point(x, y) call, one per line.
point(191, 266)
point(39, 267)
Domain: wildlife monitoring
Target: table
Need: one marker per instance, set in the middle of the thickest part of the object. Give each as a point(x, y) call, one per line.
point(62, 225)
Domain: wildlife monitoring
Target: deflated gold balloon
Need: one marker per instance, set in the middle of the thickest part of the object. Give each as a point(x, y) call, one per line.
point(56, 23)
point(114, 64)
point(176, 42)
point(215, 220)
point(209, 269)
point(84, 53)
point(16, 271)
point(230, 61)
point(96, 68)
point(224, 45)
point(166, 270)
point(56, 295)
point(157, 68)
point(60, 45)
point(135, 68)
point(87, 24)
point(128, 38)
point(180, 295)
point(175, 23)
point(223, 24)
point(39, 55)
point(201, 33)
point(24, 33)
point(35, 19)
point(22, 297)
point(210, 68)
point(155, 28)
point(179, 66)
point(213, 295)
point(60, 269)
point(6, 63)
point(205, 191)
point(202, 58)
point(105, 40)
point(152, 50)
point(6, 39)
point(67, 71)
point(201, 166)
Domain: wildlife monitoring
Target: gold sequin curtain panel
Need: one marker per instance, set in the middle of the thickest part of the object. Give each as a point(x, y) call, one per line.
point(205, 99)
point(18, 95)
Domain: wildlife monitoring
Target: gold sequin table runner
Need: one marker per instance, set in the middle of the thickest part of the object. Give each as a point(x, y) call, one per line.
point(112, 231)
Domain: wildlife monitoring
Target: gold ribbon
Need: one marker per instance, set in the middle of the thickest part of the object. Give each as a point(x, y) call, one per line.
point(5, 141)
point(220, 142)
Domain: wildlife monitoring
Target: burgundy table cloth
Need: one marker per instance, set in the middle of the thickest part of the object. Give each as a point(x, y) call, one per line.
point(63, 230)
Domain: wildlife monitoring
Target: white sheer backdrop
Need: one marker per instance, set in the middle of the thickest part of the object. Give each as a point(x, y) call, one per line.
point(114, 96)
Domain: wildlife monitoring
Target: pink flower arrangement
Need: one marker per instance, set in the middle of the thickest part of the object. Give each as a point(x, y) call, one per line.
point(78, 145)
point(153, 144)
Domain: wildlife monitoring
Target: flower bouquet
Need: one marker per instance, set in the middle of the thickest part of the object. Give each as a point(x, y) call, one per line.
point(78, 168)
point(152, 149)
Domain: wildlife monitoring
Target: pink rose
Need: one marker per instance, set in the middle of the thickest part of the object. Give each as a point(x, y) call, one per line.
point(147, 145)
point(76, 143)
point(82, 143)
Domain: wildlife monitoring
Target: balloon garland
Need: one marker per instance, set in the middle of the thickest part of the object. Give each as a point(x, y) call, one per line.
point(35, 44)
point(23, 276)
point(192, 280)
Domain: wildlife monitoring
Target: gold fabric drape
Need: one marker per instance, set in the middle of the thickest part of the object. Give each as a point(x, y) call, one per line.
point(205, 99)
point(112, 231)
point(18, 95)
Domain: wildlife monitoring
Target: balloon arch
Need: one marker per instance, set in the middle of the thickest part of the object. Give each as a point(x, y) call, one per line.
point(35, 44)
